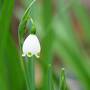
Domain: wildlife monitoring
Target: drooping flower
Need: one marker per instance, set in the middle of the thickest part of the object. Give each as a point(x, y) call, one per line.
point(31, 46)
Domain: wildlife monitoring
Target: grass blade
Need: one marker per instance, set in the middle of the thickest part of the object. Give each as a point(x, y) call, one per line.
point(63, 85)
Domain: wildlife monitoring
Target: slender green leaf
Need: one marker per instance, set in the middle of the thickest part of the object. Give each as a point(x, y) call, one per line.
point(5, 19)
point(63, 84)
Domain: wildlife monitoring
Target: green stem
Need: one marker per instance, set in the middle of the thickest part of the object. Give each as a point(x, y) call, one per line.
point(30, 73)
point(47, 77)
point(50, 77)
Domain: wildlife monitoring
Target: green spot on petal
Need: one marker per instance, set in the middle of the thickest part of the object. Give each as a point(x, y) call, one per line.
point(29, 54)
point(37, 55)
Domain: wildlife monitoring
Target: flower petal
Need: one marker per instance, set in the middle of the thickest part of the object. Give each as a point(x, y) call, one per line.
point(37, 55)
point(31, 46)
point(23, 55)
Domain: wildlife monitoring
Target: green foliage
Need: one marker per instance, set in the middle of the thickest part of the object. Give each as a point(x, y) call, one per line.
point(10, 71)
point(54, 24)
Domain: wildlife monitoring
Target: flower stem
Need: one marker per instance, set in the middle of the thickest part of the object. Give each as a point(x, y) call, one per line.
point(30, 76)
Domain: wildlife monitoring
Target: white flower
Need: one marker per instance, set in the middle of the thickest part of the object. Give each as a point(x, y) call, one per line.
point(31, 46)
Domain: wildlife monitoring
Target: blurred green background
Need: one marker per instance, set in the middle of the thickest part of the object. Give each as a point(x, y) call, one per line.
point(63, 27)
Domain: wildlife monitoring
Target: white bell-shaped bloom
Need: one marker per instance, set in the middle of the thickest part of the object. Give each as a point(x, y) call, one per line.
point(31, 46)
